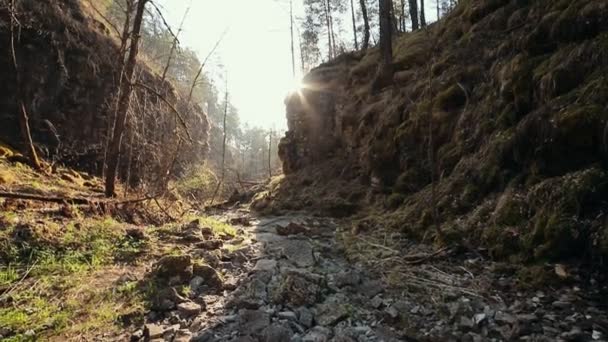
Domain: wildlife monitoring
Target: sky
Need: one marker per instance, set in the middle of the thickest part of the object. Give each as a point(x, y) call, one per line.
point(255, 51)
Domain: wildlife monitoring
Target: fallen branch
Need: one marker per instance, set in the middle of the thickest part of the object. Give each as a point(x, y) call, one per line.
point(60, 200)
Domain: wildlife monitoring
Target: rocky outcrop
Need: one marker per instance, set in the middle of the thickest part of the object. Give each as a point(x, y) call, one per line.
point(501, 105)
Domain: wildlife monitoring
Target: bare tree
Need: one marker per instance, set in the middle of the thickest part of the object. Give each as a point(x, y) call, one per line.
point(327, 9)
point(24, 124)
point(270, 154)
point(293, 54)
point(366, 24)
point(352, 11)
point(125, 90)
point(223, 166)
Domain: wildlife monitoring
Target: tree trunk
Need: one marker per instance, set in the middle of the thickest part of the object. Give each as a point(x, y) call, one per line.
point(394, 20)
point(123, 103)
point(352, 10)
point(422, 18)
point(414, 14)
point(328, 23)
point(403, 27)
point(366, 23)
point(269, 154)
point(293, 53)
point(386, 30)
point(24, 124)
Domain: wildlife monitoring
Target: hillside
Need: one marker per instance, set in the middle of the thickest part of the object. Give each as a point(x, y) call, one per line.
point(497, 117)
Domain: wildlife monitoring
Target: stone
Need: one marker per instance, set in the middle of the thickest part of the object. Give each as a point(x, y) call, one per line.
point(152, 331)
point(240, 221)
point(504, 318)
point(171, 266)
point(347, 278)
point(136, 233)
point(377, 302)
point(332, 311)
point(297, 288)
point(466, 323)
point(182, 336)
point(305, 317)
point(299, 252)
point(276, 333)
point(371, 288)
point(317, 334)
point(252, 321)
point(203, 336)
point(137, 335)
point(210, 245)
point(196, 282)
point(211, 278)
point(288, 315)
point(479, 318)
point(189, 309)
point(265, 265)
point(291, 229)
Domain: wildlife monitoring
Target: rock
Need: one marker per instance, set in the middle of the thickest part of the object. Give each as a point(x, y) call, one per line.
point(210, 245)
point(183, 335)
point(479, 318)
point(332, 311)
point(305, 317)
point(276, 333)
point(347, 278)
point(253, 321)
point(138, 335)
point(297, 288)
point(196, 282)
point(241, 221)
point(466, 323)
point(504, 318)
point(136, 233)
point(207, 231)
point(189, 309)
point(210, 276)
point(203, 336)
point(265, 265)
point(152, 331)
point(317, 334)
point(291, 229)
point(371, 288)
point(288, 315)
point(377, 302)
point(171, 266)
point(392, 312)
point(167, 299)
point(251, 296)
point(298, 252)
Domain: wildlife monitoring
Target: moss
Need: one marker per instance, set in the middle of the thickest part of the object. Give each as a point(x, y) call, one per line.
point(450, 99)
point(510, 210)
point(536, 276)
point(394, 200)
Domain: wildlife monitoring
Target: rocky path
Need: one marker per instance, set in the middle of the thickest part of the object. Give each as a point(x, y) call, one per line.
point(286, 279)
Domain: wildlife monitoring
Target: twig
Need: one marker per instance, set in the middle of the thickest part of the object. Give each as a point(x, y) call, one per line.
point(200, 69)
point(12, 288)
point(179, 116)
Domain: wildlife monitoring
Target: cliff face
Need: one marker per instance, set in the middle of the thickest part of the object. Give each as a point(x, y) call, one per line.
point(70, 67)
point(503, 105)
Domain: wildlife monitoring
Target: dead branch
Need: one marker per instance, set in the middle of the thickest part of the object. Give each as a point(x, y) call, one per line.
point(60, 200)
point(162, 18)
point(200, 69)
point(173, 109)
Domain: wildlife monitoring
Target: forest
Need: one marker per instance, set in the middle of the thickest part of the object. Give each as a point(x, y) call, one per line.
point(303, 170)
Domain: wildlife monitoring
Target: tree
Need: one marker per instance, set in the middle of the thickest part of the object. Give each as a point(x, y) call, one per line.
point(365, 23)
point(414, 14)
point(386, 29)
point(23, 117)
point(352, 11)
point(422, 17)
point(125, 90)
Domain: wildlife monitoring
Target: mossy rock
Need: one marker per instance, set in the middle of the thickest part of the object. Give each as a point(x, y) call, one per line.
point(510, 210)
point(394, 200)
point(536, 276)
point(450, 99)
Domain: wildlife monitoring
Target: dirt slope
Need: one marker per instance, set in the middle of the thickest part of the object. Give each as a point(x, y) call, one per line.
point(511, 95)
